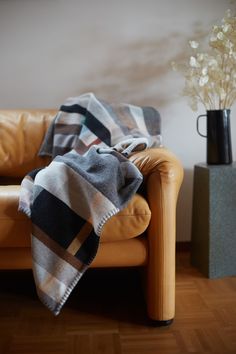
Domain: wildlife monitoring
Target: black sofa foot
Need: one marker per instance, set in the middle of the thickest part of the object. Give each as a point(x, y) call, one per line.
point(155, 323)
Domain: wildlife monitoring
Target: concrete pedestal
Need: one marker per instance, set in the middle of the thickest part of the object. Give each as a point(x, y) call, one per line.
point(213, 248)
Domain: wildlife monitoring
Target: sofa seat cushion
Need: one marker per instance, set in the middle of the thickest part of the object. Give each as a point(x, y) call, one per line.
point(15, 227)
point(129, 222)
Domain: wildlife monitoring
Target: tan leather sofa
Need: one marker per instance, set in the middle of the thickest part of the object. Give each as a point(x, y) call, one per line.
point(143, 234)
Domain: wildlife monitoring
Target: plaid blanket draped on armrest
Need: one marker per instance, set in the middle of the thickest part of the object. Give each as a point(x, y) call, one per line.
point(68, 202)
point(86, 120)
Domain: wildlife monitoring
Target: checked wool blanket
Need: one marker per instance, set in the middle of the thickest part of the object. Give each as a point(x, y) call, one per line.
point(68, 203)
point(86, 120)
point(89, 180)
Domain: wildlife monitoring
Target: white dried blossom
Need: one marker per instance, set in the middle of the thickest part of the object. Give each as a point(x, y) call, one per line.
point(226, 27)
point(200, 57)
point(193, 62)
point(228, 13)
point(220, 36)
point(174, 66)
point(203, 80)
point(204, 71)
point(213, 63)
point(194, 44)
point(228, 44)
point(213, 38)
point(210, 76)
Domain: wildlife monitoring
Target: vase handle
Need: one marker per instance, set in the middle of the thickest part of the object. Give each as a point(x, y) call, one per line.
point(201, 115)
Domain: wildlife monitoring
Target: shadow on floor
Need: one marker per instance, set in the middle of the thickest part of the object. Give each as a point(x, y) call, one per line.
point(114, 294)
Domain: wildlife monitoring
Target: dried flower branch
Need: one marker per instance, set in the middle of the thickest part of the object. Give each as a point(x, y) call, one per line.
point(210, 77)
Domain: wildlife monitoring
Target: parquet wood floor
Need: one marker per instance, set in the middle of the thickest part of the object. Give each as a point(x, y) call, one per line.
point(105, 314)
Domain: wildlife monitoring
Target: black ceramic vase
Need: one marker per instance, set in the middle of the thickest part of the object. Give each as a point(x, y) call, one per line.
point(219, 149)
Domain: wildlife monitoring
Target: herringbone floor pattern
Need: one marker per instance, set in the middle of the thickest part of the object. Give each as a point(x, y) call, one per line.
point(106, 314)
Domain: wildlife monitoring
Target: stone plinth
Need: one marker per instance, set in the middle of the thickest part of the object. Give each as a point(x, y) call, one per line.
point(213, 248)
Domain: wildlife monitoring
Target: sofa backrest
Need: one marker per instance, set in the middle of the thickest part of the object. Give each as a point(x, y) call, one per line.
point(21, 135)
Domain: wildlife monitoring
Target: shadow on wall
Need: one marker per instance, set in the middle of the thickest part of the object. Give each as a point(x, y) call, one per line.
point(140, 72)
point(135, 72)
point(184, 207)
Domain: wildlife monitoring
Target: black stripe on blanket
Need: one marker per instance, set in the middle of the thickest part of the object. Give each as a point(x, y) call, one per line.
point(87, 252)
point(91, 122)
point(57, 220)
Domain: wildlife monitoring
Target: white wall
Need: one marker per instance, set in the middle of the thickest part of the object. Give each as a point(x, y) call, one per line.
point(121, 50)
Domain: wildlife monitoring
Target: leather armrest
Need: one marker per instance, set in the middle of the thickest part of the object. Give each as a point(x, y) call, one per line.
point(163, 175)
point(159, 160)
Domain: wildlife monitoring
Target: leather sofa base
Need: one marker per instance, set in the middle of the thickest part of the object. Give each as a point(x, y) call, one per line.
point(131, 252)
